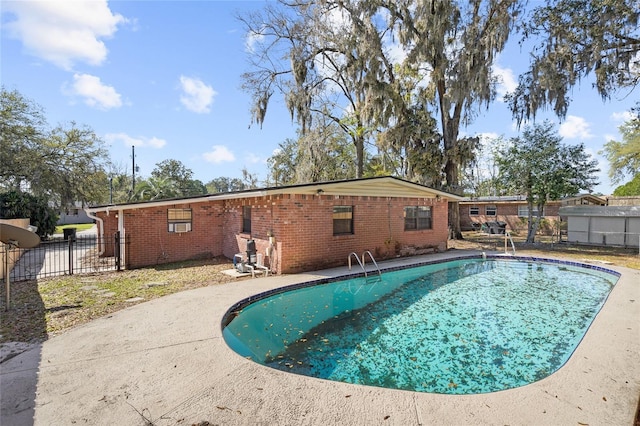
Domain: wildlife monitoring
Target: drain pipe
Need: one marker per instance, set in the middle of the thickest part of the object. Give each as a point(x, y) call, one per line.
point(100, 231)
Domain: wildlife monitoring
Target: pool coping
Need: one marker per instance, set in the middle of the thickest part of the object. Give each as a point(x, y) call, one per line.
point(165, 361)
point(232, 311)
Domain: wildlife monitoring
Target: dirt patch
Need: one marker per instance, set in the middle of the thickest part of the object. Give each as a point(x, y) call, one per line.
point(620, 256)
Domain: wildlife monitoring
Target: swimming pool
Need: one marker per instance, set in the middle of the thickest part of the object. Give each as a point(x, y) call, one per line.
point(462, 327)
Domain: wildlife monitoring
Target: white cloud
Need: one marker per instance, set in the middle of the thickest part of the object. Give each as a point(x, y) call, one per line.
point(338, 19)
point(141, 141)
point(63, 32)
point(93, 91)
point(487, 137)
point(154, 142)
point(393, 48)
point(575, 127)
point(197, 96)
point(219, 154)
point(252, 158)
point(621, 117)
point(506, 81)
point(609, 137)
point(251, 40)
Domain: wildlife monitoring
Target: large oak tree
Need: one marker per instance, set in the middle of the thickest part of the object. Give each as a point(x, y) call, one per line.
point(334, 57)
point(574, 39)
point(65, 164)
point(324, 58)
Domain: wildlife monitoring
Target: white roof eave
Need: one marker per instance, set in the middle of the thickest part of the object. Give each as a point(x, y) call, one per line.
point(390, 187)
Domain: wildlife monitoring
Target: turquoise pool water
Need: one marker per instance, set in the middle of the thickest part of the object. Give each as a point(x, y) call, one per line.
point(462, 327)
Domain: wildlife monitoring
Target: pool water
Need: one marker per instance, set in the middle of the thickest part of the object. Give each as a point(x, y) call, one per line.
point(462, 327)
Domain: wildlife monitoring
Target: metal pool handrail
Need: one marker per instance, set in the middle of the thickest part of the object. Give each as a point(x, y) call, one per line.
point(372, 259)
point(358, 260)
point(507, 234)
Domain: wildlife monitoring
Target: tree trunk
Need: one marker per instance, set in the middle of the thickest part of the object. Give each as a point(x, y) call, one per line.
point(455, 231)
point(359, 142)
point(532, 229)
point(454, 218)
point(529, 222)
point(534, 222)
point(451, 170)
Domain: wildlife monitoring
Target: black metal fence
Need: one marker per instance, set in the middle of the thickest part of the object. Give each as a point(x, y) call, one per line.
point(70, 255)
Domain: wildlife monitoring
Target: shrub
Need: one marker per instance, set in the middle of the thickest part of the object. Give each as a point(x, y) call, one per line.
point(18, 205)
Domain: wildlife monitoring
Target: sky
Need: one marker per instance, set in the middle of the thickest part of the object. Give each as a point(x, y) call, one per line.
point(164, 77)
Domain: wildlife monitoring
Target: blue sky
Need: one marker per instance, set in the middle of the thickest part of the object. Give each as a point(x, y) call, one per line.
point(164, 76)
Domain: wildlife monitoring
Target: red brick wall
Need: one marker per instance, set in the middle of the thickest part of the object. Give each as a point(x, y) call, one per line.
point(234, 240)
point(303, 229)
point(301, 226)
point(110, 223)
point(150, 243)
point(506, 212)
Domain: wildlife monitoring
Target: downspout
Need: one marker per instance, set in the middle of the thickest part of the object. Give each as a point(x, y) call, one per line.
point(100, 231)
point(122, 234)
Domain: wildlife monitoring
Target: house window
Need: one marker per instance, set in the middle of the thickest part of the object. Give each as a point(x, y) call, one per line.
point(523, 211)
point(491, 211)
point(474, 211)
point(179, 220)
point(417, 218)
point(246, 219)
point(342, 220)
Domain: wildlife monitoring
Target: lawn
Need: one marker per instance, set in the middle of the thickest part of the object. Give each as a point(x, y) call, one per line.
point(43, 308)
point(78, 226)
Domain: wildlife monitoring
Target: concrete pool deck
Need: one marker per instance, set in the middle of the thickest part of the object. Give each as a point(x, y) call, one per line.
point(164, 362)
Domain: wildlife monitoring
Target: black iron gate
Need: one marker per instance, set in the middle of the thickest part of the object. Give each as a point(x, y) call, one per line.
point(73, 254)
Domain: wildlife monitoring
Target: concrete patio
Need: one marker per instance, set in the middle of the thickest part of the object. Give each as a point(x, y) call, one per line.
point(164, 362)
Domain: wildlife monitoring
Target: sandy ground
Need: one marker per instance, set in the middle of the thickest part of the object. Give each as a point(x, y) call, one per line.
point(164, 362)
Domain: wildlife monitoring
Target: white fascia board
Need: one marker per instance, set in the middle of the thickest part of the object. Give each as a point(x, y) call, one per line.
point(237, 196)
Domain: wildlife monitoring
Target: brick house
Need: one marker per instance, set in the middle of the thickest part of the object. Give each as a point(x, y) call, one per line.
point(295, 228)
point(514, 211)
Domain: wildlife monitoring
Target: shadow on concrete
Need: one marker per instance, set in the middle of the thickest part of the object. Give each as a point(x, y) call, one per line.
point(30, 264)
point(20, 357)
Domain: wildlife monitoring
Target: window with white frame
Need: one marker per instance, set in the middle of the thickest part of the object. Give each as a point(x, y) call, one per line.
point(179, 220)
point(523, 211)
point(491, 211)
point(474, 210)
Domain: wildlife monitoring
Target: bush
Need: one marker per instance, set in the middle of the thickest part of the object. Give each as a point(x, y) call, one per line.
point(18, 205)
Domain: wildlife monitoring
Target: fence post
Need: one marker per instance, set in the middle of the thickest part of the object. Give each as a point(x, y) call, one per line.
point(116, 249)
point(71, 256)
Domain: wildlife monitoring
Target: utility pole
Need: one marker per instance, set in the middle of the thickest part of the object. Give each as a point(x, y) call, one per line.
point(133, 170)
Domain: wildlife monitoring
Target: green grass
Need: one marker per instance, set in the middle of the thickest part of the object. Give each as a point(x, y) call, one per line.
point(78, 226)
point(42, 308)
